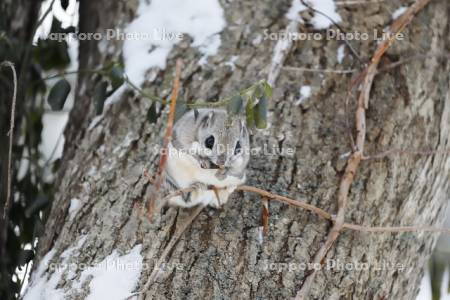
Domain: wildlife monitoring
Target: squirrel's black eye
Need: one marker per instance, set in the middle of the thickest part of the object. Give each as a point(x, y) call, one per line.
point(238, 148)
point(209, 142)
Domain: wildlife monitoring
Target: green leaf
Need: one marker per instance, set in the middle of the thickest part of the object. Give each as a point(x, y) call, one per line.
point(249, 113)
point(267, 90)
point(116, 75)
point(100, 96)
point(234, 106)
point(152, 114)
point(58, 94)
point(260, 113)
point(259, 91)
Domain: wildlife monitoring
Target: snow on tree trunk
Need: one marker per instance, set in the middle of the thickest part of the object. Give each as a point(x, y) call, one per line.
point(222, 256)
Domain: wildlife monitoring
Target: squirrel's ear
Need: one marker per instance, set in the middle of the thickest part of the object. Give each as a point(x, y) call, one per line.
point(195, 114)
point(208, 119)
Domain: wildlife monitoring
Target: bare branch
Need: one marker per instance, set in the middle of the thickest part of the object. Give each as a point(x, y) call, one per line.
point(406, 152)
point(266, 196)
point(335, 71)
point(386, 229)
point(382, 69)
point(356, 157)
point(356, 2)
point(292, 202)
point(11, 134)
point(160, 175)
point(265, 215)
point(396, 229)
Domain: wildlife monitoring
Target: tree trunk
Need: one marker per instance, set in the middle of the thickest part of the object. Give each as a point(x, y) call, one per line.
point(221, 256)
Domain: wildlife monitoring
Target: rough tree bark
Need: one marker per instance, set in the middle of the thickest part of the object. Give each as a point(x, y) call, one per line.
point(17, 22)
point(221, 256)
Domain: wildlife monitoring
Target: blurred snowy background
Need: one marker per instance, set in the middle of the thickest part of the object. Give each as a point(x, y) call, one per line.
point(52, 142)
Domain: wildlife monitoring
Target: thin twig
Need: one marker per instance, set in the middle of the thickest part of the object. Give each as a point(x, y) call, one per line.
point(142, 92)
point(382, 69)
point(356, 227)
point(353, 2)
point(380, 229)
point(265, 215)
point(11, 135)
point(292, 202)
point(160, 175)
point(334, 71)
point(266, 196)
point(149, 178)
point(355, 159)
point(406, 152)
point(347, 121)
point(394, 229)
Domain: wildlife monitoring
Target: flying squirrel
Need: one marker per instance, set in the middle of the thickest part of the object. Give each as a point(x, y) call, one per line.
point(209, 148)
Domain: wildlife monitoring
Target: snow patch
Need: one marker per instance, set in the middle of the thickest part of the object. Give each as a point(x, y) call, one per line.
point(42, 287)
point(203, 20)
point(327, 7)
point(257, 40)
point(115, 277)
point(209, 48)
point(231, 62)
point(121, 149)
point(425, 287)
point(75, 205)
point(260, 235)
point(95, 121)
point(23, 165)
point(398, 12)
point(67, 17)
point(52, 138)
point(293, 13)
point(305, 93)
point(340, 53)
point(319, 21)
point(115, 96)
point(46, 26)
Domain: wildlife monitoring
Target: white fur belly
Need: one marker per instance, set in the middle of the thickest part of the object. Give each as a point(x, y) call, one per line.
point(186, 170)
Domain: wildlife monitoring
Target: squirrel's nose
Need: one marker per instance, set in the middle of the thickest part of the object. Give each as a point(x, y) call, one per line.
point(221, 159)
